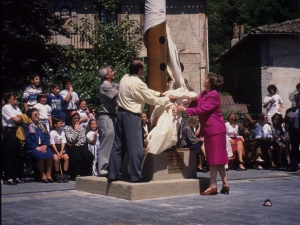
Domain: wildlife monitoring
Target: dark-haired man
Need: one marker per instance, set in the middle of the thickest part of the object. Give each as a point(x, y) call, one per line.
point(272, 102)
point(295, 95)
point(133, 94)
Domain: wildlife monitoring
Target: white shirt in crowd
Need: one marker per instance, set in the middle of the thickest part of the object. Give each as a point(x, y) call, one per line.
point(232, 131)
point(273, 106)
point(71, 104)
point(83, 114)
point(9, 111)
point(57, 137)
point(90, 136)
point(263, 131)
point(44, 110)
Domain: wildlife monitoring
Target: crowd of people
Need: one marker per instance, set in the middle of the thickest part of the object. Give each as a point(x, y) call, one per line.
point(59, 128)
point(270, 142)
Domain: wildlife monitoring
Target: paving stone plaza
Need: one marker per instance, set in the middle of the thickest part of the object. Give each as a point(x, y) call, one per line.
point(39, 203)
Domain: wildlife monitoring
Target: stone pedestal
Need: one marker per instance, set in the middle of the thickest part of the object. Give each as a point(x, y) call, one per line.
point(171, 164)
point(172, 173)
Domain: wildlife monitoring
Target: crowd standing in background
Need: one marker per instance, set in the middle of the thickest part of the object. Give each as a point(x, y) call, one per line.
point(61, 129)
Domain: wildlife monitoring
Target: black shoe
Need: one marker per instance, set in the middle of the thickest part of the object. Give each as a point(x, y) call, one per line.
point(66, 178)
point(293, 169)
point(239, 168)
point(11, 182)
point(45, 181)
point(143, 180)
point(203, 170)
point(58, 178)
point(112, 180)
point(51, 181)
point(18, 181)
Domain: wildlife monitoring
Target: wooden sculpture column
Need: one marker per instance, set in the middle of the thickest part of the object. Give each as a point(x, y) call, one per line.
point(157, 59)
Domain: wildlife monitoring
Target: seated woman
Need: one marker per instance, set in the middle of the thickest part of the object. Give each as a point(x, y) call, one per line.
point(37, 144)
point(279, 140)
point(264, 136)
point(78, 151)
point(190, 140)
point(246, 129)
point(237, 141)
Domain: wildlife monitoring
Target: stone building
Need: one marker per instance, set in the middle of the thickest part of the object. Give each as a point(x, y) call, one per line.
point(186, 18)
point(267, 55)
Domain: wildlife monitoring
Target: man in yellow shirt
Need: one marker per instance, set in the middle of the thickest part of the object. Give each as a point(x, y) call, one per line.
point(133, 94)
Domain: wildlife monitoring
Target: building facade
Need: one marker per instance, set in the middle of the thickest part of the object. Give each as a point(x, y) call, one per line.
point(266, 55)
point(186, 18)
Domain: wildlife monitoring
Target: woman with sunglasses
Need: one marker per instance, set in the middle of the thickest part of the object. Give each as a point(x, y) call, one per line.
point(93, 111)
point(78, 151)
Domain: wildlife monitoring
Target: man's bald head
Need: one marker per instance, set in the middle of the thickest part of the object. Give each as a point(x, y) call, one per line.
point(135, 66)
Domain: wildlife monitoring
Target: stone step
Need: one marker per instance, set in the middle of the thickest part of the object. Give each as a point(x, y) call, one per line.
point(137, 191)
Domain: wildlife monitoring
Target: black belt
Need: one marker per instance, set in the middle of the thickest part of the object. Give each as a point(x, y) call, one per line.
point(125, 110)
point(9, 128)
point(110, 114)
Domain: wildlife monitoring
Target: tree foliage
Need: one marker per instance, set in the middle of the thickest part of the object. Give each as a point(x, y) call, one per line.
point(113, 43)
point(223, 13)
point(27, 27)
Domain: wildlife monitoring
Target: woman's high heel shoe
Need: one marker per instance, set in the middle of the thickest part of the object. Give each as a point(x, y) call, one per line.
point(239, 167)
point(225, 190)
point(212, 191)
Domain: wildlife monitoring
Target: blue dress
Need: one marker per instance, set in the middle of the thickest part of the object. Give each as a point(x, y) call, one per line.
point(37, 135)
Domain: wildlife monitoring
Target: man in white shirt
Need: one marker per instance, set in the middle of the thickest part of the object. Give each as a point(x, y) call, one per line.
point(264, 136)
point(133, 94)
point(272, 102)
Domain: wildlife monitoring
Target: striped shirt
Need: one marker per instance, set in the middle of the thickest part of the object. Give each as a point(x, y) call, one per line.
point(30, 95)
point(75, 137)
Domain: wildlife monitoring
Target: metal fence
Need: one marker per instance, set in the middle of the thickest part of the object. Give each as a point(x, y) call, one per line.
point(74, 40)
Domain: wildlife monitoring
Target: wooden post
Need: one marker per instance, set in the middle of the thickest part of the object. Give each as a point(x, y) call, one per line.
point(157, 60)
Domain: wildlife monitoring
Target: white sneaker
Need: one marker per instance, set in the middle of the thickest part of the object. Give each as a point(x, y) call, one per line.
point(103, 172)
point(259, 160)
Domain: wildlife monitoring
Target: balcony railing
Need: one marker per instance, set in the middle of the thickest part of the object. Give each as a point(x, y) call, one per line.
point(75, 40)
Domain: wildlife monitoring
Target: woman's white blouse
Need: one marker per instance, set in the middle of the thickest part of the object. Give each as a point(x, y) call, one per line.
point(232, 132)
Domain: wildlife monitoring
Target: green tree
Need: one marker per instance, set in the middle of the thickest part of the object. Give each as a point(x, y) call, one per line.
point(114, 44)
point(27, 27)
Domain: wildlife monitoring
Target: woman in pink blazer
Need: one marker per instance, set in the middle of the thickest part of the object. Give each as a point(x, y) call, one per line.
point(213, 130)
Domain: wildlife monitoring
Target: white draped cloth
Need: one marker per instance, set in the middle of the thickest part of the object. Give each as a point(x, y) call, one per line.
point(164, 134)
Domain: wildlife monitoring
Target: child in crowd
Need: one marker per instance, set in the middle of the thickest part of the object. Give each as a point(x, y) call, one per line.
point(70, 97)
point(58, 142)
point(93, 140)
point(55, 101)
point(84, 114)
point(31, 91)
point(44, 110)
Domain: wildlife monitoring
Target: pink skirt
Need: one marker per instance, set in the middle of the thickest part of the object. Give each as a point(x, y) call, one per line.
point(215, 149)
